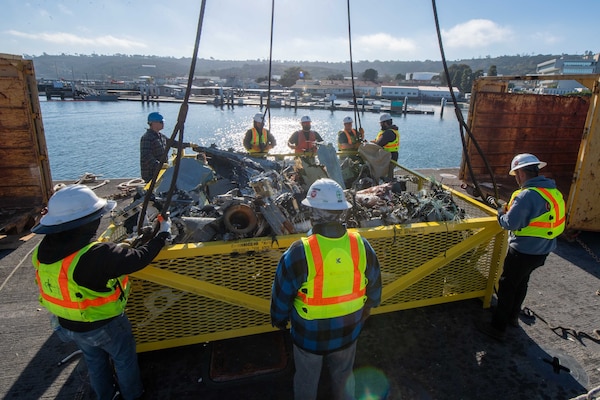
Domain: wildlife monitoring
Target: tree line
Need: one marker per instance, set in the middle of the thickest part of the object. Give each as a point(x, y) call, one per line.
point(131, 67)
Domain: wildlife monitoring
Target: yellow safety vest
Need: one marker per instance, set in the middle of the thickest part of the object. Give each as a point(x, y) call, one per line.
point(62, 296)
point(336, 281)
point(353, 140)
point(390, 146)
point(550, 224)
point(258, 140)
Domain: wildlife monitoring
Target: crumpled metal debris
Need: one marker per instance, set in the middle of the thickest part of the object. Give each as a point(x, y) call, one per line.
point(236, 196)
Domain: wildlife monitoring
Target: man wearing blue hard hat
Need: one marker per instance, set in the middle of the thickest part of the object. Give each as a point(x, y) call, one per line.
point(153, 145)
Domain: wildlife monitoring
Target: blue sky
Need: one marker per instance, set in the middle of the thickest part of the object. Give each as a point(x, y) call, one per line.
point(304, 30)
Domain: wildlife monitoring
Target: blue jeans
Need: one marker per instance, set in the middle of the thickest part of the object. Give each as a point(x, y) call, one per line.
point(112, 341)
point(308, 371)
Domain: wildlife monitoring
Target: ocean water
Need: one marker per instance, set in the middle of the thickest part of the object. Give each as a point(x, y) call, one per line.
point(103, 137)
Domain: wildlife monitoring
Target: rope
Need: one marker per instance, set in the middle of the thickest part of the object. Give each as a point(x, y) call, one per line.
point(356, 113)
point(177, 130)
point(268, 109)
point(562, 331)
point(461, 122)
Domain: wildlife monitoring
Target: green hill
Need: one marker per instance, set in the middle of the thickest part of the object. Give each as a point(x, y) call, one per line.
point(130, 67)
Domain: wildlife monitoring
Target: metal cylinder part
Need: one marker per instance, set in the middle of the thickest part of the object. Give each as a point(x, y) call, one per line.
point(240, 218)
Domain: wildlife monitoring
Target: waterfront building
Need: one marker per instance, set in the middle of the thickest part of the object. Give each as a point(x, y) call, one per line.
point(566, 65)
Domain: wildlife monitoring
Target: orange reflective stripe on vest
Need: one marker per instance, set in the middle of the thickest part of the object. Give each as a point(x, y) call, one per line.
point(318, 298)
point(557, 218)
point(66, 301)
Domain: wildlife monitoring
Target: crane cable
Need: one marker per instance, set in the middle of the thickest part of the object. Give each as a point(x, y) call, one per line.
point(463, 125)
point(177, 130)
point(356, 114)
point(268, 108)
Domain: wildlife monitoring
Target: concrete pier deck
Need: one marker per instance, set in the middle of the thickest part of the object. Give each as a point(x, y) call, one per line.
point(427, 353)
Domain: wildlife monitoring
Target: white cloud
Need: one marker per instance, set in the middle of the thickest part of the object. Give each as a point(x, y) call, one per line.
point(476, 33)
point(383, 43)
point(546, 38)
point(63, 9)
point(68, 39)
point(383, 46)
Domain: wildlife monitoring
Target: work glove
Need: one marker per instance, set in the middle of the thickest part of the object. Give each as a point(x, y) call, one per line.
point(165, 225)
point(500, 205)
point(361, 133)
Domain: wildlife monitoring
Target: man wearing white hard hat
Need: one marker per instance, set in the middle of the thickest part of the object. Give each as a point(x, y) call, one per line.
point(84, 285)
point(326, 285)
point(304, 141)
point(535, 217)
point(349, 139)
point(258, 140)
point(388, 138)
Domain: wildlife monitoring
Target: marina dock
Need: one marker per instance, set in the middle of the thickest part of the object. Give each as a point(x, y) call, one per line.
point(431, 352)
point(256, 101)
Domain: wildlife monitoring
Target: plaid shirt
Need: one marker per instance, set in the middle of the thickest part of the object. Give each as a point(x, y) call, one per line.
point(152, 147)
point(318, 336)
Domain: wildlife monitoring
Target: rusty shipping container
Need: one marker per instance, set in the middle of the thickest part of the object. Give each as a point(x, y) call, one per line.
point(561, 130)
point(26, 183)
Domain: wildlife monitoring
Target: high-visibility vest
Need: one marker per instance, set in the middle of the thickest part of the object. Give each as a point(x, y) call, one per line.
point(257, 140)
point(336, 281)
point(62, 296)
point(392, 146)
point(305, 145)
point(550, 224)
point(353, 140)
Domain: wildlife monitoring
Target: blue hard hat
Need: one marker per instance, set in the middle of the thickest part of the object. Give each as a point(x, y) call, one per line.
point(155, 117)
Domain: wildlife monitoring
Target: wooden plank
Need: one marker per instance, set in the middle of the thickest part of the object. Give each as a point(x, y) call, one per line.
point(13, 93)
point(16, 138)
point(20, 157)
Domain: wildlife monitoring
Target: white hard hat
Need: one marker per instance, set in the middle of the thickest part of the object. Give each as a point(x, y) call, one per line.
point(347, 120)
point(524, 160)
point(385, 117)
point(71, 207)
point(326, 194)
point(305, 118)
point(259, 118)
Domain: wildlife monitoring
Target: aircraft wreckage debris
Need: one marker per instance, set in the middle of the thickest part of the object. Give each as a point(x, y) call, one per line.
point(224, 195)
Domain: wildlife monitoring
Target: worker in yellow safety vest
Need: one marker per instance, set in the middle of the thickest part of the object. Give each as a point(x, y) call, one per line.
point(258, 140)
point(535, 216)
point(388, 138)
point(84, 285)
point(326, 285)
point(349, 138)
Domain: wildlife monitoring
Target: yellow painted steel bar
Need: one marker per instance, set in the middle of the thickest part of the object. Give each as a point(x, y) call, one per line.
point(207, 337)
point(191, 285)
point(437, 262)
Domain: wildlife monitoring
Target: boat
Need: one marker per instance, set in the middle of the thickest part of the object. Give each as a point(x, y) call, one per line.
point(89, 94)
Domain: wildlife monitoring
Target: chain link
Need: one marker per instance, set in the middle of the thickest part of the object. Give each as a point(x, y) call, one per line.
point(586, 248)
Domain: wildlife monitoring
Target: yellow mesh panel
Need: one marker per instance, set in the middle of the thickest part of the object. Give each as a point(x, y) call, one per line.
point(164, 316)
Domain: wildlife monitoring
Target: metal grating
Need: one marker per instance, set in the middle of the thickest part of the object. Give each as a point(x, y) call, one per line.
point(201, 292)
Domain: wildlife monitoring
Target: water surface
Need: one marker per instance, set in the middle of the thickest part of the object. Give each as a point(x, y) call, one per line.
point(103, 137)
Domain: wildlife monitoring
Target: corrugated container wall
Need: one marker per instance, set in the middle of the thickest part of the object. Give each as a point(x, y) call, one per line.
point(26, 183)
point(561, 130)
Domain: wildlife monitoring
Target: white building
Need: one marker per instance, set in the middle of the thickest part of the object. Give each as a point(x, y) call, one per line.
point(566, 65)
point(399, 92)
